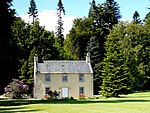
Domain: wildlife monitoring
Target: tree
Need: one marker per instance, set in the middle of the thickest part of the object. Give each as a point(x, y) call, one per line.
point(145, 53)
point(112, 13)
point(40, 42)
point(95, 28)
point(95, 57)
point(60, 11)
point(7, 54)
point(76, 40)
point(103, 17)
point(33, 12)
point(93, 13)
point(114, 76)
point(136, 18)
point(126, 65)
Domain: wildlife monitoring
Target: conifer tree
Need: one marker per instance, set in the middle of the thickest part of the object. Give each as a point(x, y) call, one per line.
point(93, 13)
point(136, 18)
point(94, 49)
point(60, 13)
point(33, 12)
point(112, 15)
point(115, 79)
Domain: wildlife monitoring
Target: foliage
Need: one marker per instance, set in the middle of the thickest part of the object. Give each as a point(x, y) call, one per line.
point(31, 40)
point(76, 40)
point(112, 13)
point(16, 89)
point(95, 57)
point(136, 18)
point(40, 42)
point(114, 76)
point(33, 12)
point(127, 60)
point(7, 49)
point(101, 18)
point(53, 94)
point(59, 33)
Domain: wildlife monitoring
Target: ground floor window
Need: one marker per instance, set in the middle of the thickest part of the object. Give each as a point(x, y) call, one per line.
point(47, 89)
point(81, 90)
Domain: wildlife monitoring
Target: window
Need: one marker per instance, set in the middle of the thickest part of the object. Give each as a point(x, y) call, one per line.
point(81, 90)
point(47, 78)
point(64, 77)
point(47, 89)
point(81, 77)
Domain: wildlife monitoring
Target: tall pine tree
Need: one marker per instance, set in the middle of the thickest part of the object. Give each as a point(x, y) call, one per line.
point(60, 13)
point(94, 49)
point(33, 12)
point(136, 18)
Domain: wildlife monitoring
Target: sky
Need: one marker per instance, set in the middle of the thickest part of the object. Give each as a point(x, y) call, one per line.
point(75, 9)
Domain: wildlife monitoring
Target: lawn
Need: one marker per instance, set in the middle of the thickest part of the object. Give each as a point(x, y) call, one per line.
point(133, 103)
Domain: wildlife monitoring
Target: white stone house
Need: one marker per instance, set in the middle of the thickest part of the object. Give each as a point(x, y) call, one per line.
point(70, 78)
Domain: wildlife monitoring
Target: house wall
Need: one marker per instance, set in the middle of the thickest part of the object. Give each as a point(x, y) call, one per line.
point(56, 83)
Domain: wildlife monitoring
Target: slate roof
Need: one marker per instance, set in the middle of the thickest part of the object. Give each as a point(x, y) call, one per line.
point(64, 67)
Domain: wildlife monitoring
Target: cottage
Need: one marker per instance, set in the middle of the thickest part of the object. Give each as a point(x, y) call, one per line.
point(70, 78)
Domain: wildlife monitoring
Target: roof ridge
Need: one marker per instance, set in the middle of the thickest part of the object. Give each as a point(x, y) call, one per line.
point(64, 61)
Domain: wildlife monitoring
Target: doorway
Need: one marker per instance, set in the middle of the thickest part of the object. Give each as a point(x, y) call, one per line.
point(65, 92)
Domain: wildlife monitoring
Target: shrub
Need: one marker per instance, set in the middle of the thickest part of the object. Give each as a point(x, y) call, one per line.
point(15, 89)
point(53, 94)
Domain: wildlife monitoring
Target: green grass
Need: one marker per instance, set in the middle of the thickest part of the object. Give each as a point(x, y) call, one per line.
point(133, 103)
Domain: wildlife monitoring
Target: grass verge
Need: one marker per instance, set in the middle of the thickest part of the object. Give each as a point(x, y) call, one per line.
point(133, 103)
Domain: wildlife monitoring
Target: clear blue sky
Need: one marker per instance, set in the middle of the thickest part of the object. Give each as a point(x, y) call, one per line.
point(81, 7)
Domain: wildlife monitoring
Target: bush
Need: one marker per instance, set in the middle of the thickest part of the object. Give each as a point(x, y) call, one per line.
point(53, 94)
point(16, 89)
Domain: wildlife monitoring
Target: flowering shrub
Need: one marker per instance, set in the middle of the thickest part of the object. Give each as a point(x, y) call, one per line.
point(16, 89)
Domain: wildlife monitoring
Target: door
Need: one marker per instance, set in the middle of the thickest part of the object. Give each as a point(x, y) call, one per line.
point(64, 92)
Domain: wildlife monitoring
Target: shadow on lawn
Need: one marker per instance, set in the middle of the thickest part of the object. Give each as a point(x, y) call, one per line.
point(64, 101)
point(15, 109)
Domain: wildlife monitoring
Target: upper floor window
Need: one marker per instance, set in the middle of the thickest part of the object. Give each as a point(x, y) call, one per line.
point(64, 77)
point(47, 78)
point(81, 77)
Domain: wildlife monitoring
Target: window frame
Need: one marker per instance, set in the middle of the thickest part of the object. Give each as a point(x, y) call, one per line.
point(81, 77)
point(64, 77)
point(46, 91)
point(81, 90)
point(47, 76)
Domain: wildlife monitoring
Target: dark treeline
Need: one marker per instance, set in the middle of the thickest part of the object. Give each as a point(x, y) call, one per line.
point(120, 51)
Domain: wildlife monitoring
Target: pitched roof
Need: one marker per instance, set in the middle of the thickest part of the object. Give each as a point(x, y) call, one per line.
point(64, 67)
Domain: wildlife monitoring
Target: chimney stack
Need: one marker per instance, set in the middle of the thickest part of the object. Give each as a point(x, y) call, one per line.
point(35, 58)
point(88, 58)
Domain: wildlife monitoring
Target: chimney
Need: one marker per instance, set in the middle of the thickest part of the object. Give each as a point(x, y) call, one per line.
point(88, 58)
point(35, 58)
point(35, 72)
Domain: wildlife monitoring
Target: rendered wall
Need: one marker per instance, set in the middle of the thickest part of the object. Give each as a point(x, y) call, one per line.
point(56, 83)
